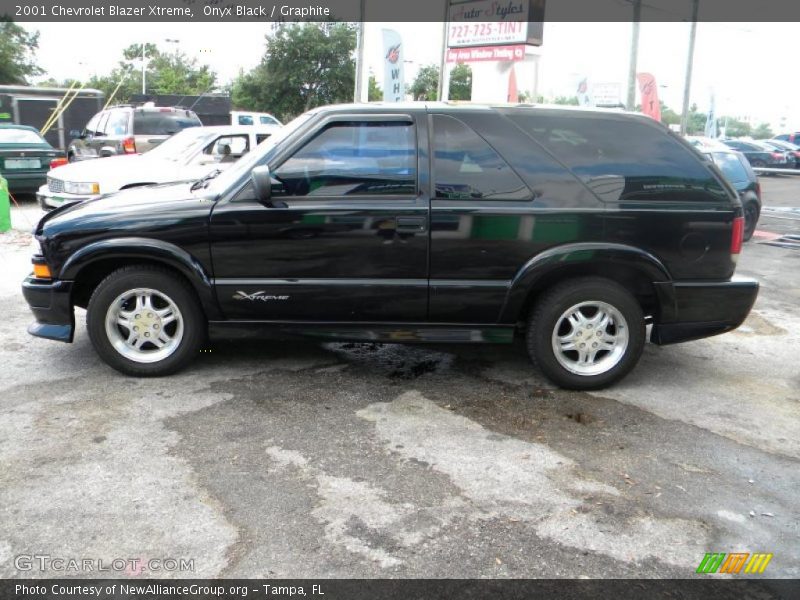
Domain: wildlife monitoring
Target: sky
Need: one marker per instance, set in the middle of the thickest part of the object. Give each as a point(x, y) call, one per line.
point(745, 64)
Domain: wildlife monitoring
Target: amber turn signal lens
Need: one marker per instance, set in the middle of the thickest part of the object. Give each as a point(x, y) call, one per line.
point(41, 271)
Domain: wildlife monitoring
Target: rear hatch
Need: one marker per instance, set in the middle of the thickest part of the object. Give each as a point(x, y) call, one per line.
point(151, 126)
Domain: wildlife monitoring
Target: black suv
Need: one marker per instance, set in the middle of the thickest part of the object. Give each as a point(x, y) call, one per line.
point(128, 130)
point(412, 223)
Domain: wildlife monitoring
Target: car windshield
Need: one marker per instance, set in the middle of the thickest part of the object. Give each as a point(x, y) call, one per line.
point(251, 159)
point(731, 166)
point(181, 146)
point(12, 135)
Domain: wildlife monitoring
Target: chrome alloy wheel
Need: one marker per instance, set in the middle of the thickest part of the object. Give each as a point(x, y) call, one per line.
point(590, 338)
point(144, 325)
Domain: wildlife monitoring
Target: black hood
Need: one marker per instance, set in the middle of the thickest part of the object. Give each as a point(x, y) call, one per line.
point(131, 209)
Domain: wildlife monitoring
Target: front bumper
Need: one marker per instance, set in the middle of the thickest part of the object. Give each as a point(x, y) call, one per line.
point(52, 199)
point(692, 310)
point(51, 306)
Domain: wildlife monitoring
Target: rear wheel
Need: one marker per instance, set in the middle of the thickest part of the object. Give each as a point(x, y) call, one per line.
point(586, 333)
point(145, 321)
point(750, 220)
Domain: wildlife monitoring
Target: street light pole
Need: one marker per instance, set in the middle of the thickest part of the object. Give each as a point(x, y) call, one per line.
point(630, 104)
point(687, 85)
point(359, 91)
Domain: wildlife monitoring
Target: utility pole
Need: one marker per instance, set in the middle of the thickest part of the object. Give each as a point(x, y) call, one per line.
point(630, 104)
point(687, 86)
point(357, 96)
point(144, 70)
point(444, 88)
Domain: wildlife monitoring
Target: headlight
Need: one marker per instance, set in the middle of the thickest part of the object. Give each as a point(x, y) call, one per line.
point(81, 188)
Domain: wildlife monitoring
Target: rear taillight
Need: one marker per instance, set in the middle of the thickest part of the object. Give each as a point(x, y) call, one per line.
point(58, 162)
point(129, 145)
point(737, 235)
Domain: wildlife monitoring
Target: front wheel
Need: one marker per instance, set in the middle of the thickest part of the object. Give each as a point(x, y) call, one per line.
point(586, 333)
point(145, 321)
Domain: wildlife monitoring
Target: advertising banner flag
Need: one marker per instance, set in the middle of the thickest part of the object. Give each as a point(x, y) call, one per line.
point(583, 93)
point(649, 94)
point(393, 84)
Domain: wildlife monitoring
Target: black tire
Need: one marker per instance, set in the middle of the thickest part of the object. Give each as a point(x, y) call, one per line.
point(750, 220)
point(162, 281)
point(546, 316)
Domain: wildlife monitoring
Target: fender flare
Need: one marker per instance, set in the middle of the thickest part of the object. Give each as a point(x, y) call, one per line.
point(583, 254)
point(149, 249)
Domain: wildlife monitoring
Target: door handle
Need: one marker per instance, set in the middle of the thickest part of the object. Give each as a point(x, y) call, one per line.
point(411, 224)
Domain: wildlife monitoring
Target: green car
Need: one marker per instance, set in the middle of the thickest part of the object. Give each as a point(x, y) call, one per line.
point(24, 157)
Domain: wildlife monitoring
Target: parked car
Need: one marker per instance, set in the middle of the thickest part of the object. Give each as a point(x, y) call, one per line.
point(759, 155)
point(741, 176)
point(793, 138)
point(188, 155)
point(792, 150)
point(239, 117)
point(128, 130)
point(24, 157)
point(573, 229)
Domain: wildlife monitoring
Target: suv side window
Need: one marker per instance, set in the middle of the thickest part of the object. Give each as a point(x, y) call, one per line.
point(465, 166)
point(369, 158)
point(91, 126)
point(101, 127)
point(245, 120)
point(117, 123)
point(623, 159)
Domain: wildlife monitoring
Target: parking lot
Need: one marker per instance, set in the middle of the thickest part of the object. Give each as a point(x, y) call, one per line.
point(347, 460)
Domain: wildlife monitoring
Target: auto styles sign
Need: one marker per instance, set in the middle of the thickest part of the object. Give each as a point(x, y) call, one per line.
point(495, 23)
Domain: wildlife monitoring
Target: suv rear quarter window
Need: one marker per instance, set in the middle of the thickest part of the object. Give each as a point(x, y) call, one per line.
point(466, 167)
point(623, 159)
point(156, 122)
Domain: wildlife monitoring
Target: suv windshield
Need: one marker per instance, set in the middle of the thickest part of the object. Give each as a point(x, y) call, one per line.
point(181, 146)
point(251, 159)
point(156, 122)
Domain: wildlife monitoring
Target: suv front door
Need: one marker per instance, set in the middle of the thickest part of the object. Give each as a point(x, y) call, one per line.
point(345, 236)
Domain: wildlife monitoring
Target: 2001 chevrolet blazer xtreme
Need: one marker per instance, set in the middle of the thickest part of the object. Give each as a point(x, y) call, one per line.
point(411, 223)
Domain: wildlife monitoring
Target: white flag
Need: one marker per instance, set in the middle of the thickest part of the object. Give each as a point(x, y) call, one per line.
point(394, 89)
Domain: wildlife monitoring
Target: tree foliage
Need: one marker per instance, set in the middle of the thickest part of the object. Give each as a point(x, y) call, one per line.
point(375, 93)
point(763, 131)
point(17, 54)
point(166, 73)
point(304, 66)
point(461, 83)
point(426, 83)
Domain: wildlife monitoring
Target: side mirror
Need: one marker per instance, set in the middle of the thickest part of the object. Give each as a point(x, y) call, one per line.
point(262, 183)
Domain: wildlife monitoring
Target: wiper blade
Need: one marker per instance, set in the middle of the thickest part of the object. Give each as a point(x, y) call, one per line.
point(203, 181)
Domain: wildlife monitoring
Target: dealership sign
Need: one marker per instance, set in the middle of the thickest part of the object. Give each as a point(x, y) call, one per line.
point(495, 53)
point(495, 23)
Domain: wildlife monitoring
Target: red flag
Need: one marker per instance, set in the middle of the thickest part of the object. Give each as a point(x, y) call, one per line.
point(649, 93)
point(513, 92)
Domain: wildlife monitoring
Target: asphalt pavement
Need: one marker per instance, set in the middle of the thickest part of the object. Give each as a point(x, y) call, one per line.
point(361, 460)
